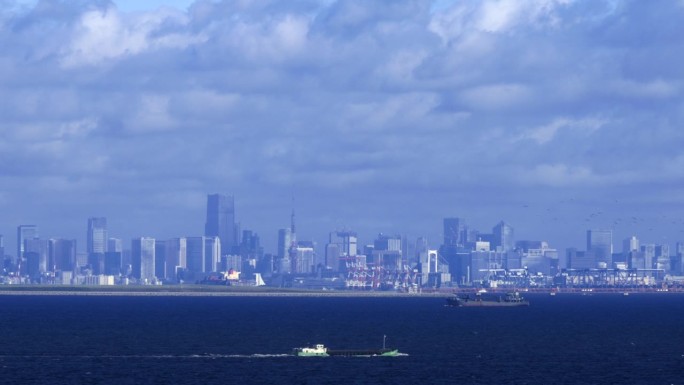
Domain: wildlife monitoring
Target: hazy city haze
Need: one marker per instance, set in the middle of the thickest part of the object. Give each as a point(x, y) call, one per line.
point(555, 116)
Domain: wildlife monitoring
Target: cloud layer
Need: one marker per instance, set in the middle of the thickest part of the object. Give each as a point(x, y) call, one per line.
point(376, 116)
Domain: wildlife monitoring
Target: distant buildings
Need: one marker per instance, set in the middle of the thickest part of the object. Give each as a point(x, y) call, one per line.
point(143, 259)
point(221, 221)
point(466, 257)
point(600, 244)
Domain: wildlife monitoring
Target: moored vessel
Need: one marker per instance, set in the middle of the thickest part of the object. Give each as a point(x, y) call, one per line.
point(509, 300)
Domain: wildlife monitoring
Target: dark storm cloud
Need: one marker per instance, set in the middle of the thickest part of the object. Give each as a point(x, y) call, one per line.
point(377, 116)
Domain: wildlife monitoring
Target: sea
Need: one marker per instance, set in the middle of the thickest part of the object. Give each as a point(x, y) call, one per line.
point(562, 339)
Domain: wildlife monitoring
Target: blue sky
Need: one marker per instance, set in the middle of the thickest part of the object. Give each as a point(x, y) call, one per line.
point(556, 116)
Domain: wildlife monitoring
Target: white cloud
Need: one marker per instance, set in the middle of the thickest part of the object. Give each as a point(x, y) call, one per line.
point(257, 98)
point(496, 96)
point(560, 175)
point(103, 34)
point(546, 133)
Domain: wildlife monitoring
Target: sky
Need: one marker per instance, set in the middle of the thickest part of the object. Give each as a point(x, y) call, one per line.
point(555, 116)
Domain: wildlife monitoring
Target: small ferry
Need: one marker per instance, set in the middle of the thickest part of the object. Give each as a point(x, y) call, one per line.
point(510, 300)
point(320, 350)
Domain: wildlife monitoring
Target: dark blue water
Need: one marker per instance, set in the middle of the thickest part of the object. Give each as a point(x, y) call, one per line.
point(567, 339)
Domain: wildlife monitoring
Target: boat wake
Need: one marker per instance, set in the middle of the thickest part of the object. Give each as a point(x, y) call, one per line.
point(256, 355)
point(153, 356)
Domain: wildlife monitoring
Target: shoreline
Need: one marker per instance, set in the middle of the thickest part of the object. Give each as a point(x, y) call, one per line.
point(114, 291)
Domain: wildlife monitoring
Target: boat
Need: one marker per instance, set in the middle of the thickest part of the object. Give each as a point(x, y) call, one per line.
point(509, 300)
point(320, 350)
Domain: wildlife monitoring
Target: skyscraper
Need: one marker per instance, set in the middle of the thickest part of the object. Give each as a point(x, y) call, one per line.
point(97, 235)
point(195, 254)
point(503, 237)
point(36, 255)
point(25, 232)
point(212, 253)
point(452, 231)
point(221, 220)
point(114, 244)
point(142, 258)
point(62, 254)
point(284, 243)
point(176, 257)
point(342, 244)
point(600, 244)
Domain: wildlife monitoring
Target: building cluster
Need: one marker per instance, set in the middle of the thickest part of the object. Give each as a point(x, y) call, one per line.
point(226, 255)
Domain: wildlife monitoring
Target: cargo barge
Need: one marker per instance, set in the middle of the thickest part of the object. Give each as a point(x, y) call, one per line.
point(320, 350)
point(510, 300)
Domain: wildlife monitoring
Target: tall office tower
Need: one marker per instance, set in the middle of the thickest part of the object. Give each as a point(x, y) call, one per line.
point(304, 257)
point(292, 251)
point(114, 244)
point(600, 244)
point(176, 257)
point(62, 254)
point(387, 252)
point(142, 259)
point(113, 263)
point(333, 256)
point(648, 250)
point(503, 237)
point(662, 258)
point(24, 232)
point(36, 254)
point(212, 253)
point(284, 242)
point(195, 254)
point(160, 259)
point(387, 243)
point(678, 258)
point(341, 245)
point(453, 227)
point(221, 220)
point(2, 248)
point(630, 244)
point(97, 235)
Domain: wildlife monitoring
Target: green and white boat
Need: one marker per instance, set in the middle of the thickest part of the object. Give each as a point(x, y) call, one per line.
point(319, 350)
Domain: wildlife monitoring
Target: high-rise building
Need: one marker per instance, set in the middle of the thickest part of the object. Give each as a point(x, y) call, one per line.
point(387, 252)
point(503, 237)
point(24, 232)
point(649, 253)
point(114, 244)
point(284, 244)
point(304, 258)
point(630, 244)
point(661, 260)
point(284, 240)
point(2, 247)
point(212, 254)
point(176, 257)
point(600, 245)
point(196, 254)
point(341, 245)
point(113, 263)
point(97, 235)
point(36, 254)
point(221, 221)
point(142, 259)
point(453, 227)
point(62, 254)
point(160, 259)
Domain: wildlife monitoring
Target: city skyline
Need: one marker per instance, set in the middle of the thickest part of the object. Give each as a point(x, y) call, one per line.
point(556, 117)
point(277, 241)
